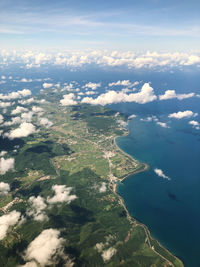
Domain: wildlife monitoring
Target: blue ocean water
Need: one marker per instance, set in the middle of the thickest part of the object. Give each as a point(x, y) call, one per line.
point(170, 208)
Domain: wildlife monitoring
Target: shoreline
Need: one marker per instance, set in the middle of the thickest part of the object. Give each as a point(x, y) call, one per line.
point(146, 167)
point(131, 219)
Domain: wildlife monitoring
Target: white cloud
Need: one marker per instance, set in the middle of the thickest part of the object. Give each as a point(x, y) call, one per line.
point(145, 95)
point(5, 104)
point(162, 124)
point(4, 188)
point(195, 124)
point(8, 220)
point(47, 85)
point(132, 116)
point(15, 120)
point(92, 86)
point(15, 95)
point(1, 118)
point(183, 114)
point(184, 96)
point(169, 94)
point(44, 247)
point(6, 165)
point(27, 101)
point(123, 83)
point(37, 208)
point(90, 93)
point(160, 173)
point(18, 110)
point(192, 59)
point(68, 87)
point(37, 109)
point(107, 254)
point(3, 153)
point(68, 100)
point(103, 188)
point(27, 116)
point(129, 59)
point(149, 119)
point(24, 130)
point(45, 122)
point(120, 83)
point(29, 264)
point(24, 92)
point(122, 123)
point(62, 194)
point(24, 80)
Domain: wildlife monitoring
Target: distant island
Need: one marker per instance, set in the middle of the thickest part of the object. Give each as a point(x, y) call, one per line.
point(64, 188)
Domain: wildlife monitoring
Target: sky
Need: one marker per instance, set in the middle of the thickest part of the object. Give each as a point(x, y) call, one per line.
point(154, 25)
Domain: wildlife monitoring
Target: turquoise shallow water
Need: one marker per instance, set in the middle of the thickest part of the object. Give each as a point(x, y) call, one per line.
point(170, 208)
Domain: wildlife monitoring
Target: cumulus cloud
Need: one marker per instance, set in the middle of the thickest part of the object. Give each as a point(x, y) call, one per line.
point(15, 95)
point(29, 264)
point(162, 124)
point(27, 116)
point(129, 59)
point(5, 104)
point(6, 165)
point(195, 124)
point(68, 100)
point(13, 121)
point(8, 220)
point(108, 253)
point(4, 188)
point(37, 208)
point(24, 130)
point(62, 194)
point(132, 116)
point(145, 95)
point(44, 247)
point(3, 153)
point(1, 118)
point(25, 80)
point(126, 83)
point(90, 93)
point(183, 114)
point(160, 173)
point(27, 101)
point(18, 110)
point(92, 86)
point(45, 122)
point(24, 92)
point(122, 123)
point(150, 118)
point(191, 60)
point(37, 109)
point(103, 188)
point(169, 94)
point(47, 85)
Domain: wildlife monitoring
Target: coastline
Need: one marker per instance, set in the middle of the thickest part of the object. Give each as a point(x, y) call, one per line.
point(145, 165)
point(131, 219)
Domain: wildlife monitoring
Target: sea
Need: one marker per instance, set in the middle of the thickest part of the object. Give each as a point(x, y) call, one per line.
point(169, 207)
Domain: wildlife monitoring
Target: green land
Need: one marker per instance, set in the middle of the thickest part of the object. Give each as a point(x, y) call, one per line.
point(78, 151)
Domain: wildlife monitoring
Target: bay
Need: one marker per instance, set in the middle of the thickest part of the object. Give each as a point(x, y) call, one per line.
point(169, 208)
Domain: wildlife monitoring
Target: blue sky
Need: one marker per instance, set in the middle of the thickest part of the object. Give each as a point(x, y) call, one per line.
point(159, 25)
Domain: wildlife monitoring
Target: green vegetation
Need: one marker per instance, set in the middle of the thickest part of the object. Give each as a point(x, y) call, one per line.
point(79, 152)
